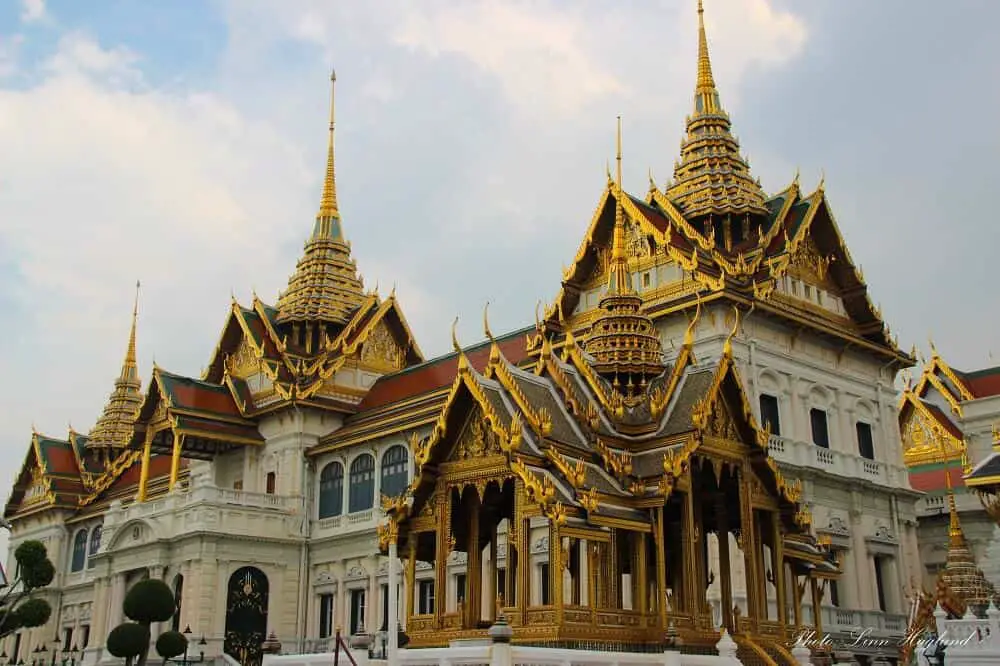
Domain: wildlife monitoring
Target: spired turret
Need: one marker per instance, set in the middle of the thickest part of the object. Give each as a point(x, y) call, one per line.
point(325, 290)
point(623, 342)
point(712, 181)
point(964, 579)
point(113, 430)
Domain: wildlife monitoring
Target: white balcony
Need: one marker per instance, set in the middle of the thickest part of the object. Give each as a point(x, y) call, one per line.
point(937, 505)
point(876, 624)
point(205, 507)
point(348, 523)
point(806, 454)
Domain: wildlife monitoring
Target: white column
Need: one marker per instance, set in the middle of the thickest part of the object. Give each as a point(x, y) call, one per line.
point(393, 589)
point(115, 602)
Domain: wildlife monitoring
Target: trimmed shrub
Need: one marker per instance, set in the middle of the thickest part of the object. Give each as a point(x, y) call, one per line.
point(128, 640)
point(149, 601)
point(171, 644)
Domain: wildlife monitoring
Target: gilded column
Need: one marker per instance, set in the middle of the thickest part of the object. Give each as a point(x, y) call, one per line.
point(725, 567)
point(523, 541)
point(393, 589)
point(442, 548)
point(491, 583)
point(641, 574)
point(474, 568)
point(778, 567)
point(748, 535)
point(817, 609)
point(661, 569)
point(556, 570)
point(411, 576)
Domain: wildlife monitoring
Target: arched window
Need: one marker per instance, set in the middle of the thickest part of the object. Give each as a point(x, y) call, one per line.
point(331, 490)
point(271, 481)
point(394, 472)
point(79, 551)
point(95, 545)
point(362, 492)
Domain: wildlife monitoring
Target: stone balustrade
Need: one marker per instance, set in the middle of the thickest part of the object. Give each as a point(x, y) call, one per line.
point(797, 453)
point(203, 506)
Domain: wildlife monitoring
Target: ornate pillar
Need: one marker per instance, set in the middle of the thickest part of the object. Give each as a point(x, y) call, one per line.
point(474, 568)
point(556, 570)
point(817, 609)
point(748, 536)
point(778, 567)
point(725, 567)
point(796, 600)
point(147, 451)
point(411, 577)
point(393, 589)
point(491, 583)
point(640, 575)
point(441, 551)
point(661, 568)
point(175, 460)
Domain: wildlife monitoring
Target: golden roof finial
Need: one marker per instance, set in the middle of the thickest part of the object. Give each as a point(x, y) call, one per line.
point(706, 82)
point(727, 348)
point(454, 336)
point(328, 202)
point(130, 368)
point(619, 281)
point(689, 333)
point(326, 286)
point(486, 322)
point(711, 176)
point(114, 427)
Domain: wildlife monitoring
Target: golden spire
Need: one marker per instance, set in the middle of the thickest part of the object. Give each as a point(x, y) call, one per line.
point(623, 341)
point(619, 278)
point(113, 429)
point(711, 176)
point(328, 202)
point(706, 95)
point(961, 574)
point(325, 286)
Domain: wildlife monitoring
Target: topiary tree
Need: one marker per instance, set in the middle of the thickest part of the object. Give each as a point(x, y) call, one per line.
point(147, 602)
point(19, 607)
point(128, 641)
point(171, 644)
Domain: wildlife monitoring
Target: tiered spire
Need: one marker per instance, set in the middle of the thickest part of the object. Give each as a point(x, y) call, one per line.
point(623, 341)
point(711, 176)
point(963, 577)
point(325, 286)
point(113, 429)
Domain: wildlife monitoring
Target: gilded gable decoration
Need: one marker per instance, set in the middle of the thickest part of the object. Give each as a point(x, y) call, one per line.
point(477, 440)
point(381, 351)
point(809, 264)
point(38, 487)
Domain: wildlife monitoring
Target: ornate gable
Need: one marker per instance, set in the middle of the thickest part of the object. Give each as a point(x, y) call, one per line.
point(380, 351)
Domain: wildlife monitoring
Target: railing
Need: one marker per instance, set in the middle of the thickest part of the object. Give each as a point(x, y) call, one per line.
point(850, 620)
point(807, 454)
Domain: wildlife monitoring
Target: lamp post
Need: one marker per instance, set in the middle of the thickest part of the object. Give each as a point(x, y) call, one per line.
point(185, 660)
point(72, 656)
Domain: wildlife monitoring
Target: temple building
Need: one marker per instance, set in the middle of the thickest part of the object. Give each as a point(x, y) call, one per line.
point(698, 434)
point(948, 421)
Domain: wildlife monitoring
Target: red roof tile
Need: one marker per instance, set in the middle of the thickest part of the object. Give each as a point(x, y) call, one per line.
point(440, 372)
point(936, 480)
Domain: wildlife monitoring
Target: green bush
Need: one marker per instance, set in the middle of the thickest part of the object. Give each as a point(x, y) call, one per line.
point(128, 640)
point(148, 601)
point(33, 612)
point(21, 609)
point(171, 644)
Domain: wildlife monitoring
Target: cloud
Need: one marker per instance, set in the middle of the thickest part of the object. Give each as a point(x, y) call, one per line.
point(537, 52)
point(106, 182)
point(32, 10)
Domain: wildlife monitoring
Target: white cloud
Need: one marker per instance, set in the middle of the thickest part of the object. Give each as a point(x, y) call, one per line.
point(32, 10)
point(539, 53)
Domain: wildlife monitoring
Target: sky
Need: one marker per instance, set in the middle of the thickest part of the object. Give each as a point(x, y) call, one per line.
point(182, 144)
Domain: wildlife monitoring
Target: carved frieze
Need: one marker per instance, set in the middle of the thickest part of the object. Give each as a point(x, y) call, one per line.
point(381, 351)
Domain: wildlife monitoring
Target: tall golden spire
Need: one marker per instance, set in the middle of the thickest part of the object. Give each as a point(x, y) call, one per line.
point(960, 573)
point(623, 341)
point(328, 202)
point(113, 429)
point(325, 287)
point(711, 176)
